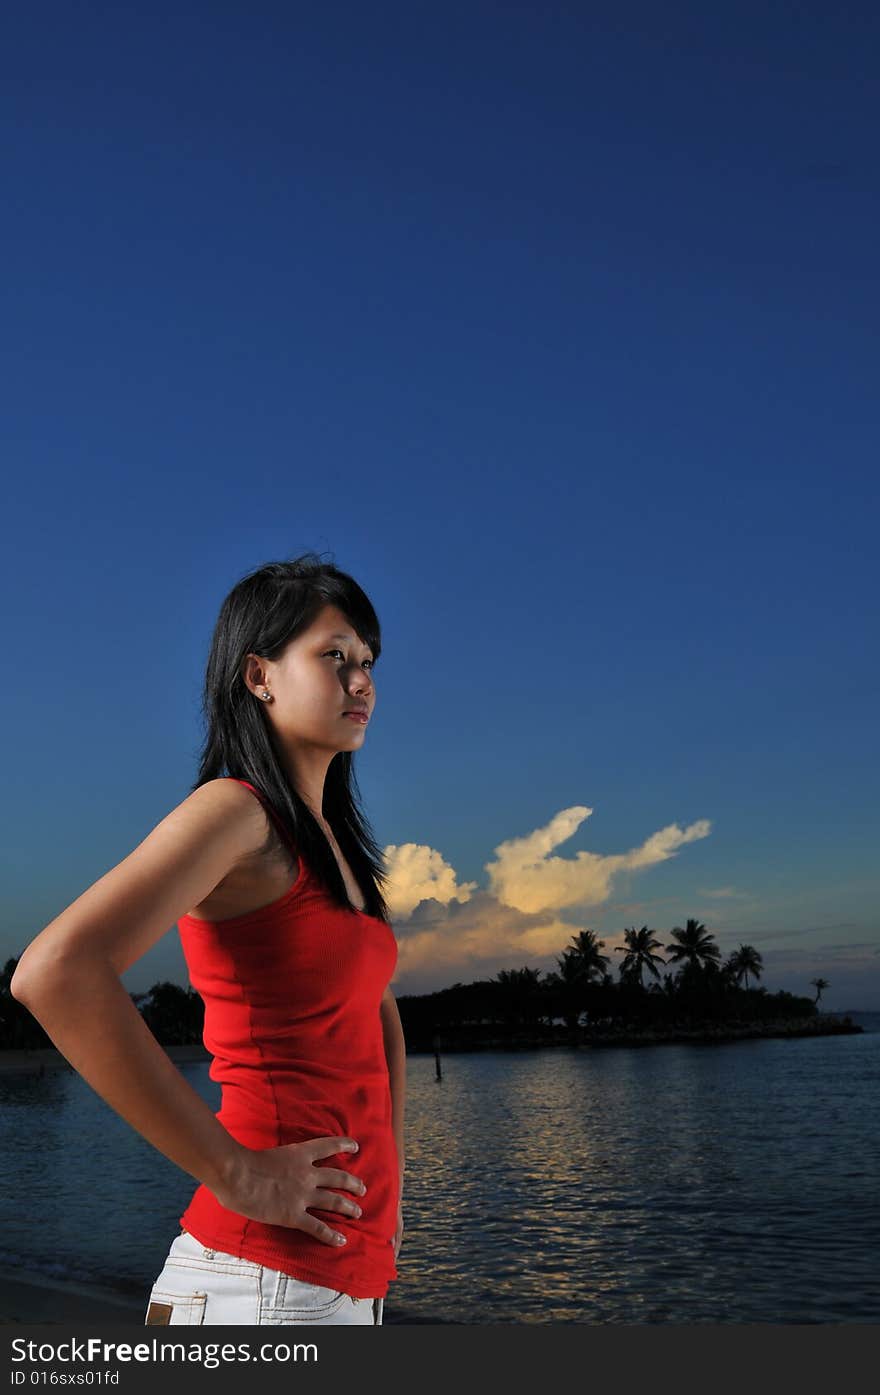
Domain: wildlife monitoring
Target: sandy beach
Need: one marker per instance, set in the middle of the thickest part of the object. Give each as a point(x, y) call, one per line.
point(46, 1302)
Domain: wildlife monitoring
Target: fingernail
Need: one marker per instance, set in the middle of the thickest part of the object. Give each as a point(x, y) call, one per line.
point(340, 1239)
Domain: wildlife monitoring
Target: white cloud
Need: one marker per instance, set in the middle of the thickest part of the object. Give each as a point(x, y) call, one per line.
point(417, 873)
point(450, 930)
point(526, 878)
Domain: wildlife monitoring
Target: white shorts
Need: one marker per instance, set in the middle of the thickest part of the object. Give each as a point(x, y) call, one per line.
point(206, 1287)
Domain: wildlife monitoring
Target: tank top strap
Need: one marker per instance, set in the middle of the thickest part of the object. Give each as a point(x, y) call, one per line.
point(285, 836)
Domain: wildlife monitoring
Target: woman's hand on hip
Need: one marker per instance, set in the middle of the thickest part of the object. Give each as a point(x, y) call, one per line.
point(278, 1185)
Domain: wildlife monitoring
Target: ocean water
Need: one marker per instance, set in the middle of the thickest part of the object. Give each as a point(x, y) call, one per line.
point(671, 1184)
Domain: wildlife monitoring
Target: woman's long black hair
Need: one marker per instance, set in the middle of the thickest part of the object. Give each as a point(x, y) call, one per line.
point(261, 614)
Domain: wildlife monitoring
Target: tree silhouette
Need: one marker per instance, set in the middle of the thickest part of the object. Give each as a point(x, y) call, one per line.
point(518, 990)
point(586, 949)
point(695, 945)
point(569, 985)
point(639, 954)
point(173, 1014)
point(744, 961)
point(820, 984)
point(18, 1027)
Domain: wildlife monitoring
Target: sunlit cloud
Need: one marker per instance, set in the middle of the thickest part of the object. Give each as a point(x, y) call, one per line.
point(475, 940)
point(525, 876)
point(417, 874)
point(451, 930)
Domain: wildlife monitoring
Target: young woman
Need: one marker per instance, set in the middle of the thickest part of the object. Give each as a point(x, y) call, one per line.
point(273, 875)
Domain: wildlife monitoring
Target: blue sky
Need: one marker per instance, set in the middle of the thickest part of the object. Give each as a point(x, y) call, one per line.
point(556, 327)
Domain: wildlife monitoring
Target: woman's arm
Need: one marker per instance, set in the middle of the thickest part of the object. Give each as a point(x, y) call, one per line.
point(70, 979)
point(69, 976)
point(395, 1055)
point(84, 1007)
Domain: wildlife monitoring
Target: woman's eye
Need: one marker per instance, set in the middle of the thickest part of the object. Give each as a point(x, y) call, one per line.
point(339, 651)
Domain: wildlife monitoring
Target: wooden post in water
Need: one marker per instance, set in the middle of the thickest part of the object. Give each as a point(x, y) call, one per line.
point(436, 1045)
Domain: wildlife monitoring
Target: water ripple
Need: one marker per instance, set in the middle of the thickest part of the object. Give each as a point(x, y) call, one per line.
point(687, 1185)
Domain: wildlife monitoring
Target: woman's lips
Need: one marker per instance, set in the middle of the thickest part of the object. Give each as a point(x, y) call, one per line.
point(357, 716)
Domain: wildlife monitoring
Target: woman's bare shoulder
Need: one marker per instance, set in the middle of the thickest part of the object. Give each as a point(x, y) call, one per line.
point(181, 861)
point(261, 874)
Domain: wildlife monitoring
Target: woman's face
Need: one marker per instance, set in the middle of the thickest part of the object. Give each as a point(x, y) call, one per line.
point(323, 672)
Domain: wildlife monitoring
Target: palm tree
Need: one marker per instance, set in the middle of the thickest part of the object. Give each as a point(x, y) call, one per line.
point(820, 984)
point(567, 984)
point(695, 945)
point(586, 948)
point(18, 1026)
point(519, 990)
point(639, 952)
point(571, 977)
point(173, 1014)
point(744, 961)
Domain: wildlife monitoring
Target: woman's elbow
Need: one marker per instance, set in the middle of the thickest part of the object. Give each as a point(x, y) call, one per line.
point(39, 967)
point(21, 985)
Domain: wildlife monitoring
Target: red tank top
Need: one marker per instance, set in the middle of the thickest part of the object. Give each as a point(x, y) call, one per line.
point(292, 994)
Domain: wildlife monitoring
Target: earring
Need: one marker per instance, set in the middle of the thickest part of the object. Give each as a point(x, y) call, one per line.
point(265, 692)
